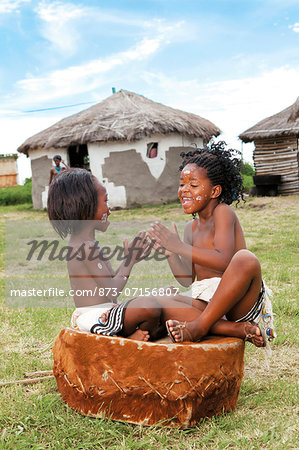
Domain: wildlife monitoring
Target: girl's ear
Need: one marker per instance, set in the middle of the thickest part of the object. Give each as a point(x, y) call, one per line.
point(216, 191)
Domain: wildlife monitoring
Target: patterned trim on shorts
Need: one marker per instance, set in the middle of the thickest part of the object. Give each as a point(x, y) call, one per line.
point(114, 321)
point(256, 310)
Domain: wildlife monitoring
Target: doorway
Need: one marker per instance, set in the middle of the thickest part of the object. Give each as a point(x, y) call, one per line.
point(78, 156)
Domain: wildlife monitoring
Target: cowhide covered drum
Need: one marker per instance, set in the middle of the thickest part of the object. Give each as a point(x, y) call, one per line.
point(148, 383)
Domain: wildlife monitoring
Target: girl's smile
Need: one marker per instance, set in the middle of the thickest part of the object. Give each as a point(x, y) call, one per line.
point(195, 189)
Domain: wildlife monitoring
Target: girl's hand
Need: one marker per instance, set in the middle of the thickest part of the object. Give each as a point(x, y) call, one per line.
point(159, 249)
point(164, 237)
point(138, 249)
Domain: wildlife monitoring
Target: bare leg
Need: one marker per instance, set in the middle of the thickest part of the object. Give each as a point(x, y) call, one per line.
point(142, 319)
point(177, 310)
point(235, 296)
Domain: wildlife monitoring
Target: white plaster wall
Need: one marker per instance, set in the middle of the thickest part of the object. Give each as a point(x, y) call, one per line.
point(99, 151)
point(45, 197)
point(50, 153)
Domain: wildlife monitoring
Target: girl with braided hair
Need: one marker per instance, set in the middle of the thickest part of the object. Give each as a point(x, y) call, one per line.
point(229, 294)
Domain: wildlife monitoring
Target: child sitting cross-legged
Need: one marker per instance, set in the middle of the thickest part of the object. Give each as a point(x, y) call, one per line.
point(226, 278)
point(77, 206)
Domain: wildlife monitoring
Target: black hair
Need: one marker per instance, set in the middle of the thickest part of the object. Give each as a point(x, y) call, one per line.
point(57, 157)
point(72, 198)
point(223, 168)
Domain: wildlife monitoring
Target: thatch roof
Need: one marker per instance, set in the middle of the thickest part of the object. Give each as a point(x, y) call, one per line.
point(284, 123)
point(123, 116)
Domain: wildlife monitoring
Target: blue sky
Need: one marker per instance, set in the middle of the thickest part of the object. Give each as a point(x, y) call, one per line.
point(233, 62)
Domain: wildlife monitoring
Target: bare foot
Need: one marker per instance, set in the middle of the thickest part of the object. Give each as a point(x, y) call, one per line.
point(253, 334)
point(139, 335)
point(179, 331)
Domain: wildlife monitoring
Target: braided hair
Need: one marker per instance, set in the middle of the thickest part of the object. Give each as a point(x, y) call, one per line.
point(223, 168)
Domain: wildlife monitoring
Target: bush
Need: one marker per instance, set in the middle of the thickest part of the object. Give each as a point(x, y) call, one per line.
point(15, 195)
point(247, 172)
point(247, 169)
point(247, 182)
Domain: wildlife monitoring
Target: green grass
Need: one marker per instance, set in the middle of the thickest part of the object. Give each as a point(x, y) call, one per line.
point(34, 416)
point(15, 195)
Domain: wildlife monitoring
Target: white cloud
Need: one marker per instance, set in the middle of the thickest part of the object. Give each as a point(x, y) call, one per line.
point(295, 27)
point(84, 78)
point(233, 105)
point(8, 6)
point(58, 24)
point(249, 99)
point(171, 32)
point(64, 24)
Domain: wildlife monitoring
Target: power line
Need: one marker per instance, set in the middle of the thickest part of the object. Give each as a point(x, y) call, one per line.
point(56, 107)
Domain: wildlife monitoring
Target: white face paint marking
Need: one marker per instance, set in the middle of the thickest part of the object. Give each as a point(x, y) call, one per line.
point(186, 171)
point(100, 266)
point(104, 218)
point(198, 198)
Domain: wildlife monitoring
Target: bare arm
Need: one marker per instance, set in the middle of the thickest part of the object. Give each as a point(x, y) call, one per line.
point(181, 268)
point(100, 268)
point(65, 165)
point(216, 258)
point(124, 253)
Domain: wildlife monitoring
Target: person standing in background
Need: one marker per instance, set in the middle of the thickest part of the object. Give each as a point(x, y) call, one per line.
point(57, 169)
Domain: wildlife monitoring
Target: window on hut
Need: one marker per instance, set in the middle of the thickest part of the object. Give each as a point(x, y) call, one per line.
point(152, 150)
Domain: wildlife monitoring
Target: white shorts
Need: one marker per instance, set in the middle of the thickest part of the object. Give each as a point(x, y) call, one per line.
point(204, 289)
point(84, 318)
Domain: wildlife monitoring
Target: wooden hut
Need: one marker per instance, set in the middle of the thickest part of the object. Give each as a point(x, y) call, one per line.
point(8, 170)
point(276, 147)
point(129, 142)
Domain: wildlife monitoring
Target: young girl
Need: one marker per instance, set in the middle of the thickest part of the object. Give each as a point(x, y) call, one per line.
point(229, 281)
point(57, 169)
point(77, 206)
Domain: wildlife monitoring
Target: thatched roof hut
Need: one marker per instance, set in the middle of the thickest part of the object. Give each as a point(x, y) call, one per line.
point(276, 147)
point(129, 142)
point(284, 123)
point(124, 116)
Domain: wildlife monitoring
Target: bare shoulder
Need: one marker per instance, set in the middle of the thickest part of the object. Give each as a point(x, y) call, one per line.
point(224, 211)
point(85, 250)
point(91, 248)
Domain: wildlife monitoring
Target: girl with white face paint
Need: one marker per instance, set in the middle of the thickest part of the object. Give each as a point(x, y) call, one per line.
point(226, 278)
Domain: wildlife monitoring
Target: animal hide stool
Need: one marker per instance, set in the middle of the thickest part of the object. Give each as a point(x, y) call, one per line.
point(148, 383)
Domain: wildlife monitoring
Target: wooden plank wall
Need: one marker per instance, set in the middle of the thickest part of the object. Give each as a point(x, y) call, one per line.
point(8, 172)
point(279, 156)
